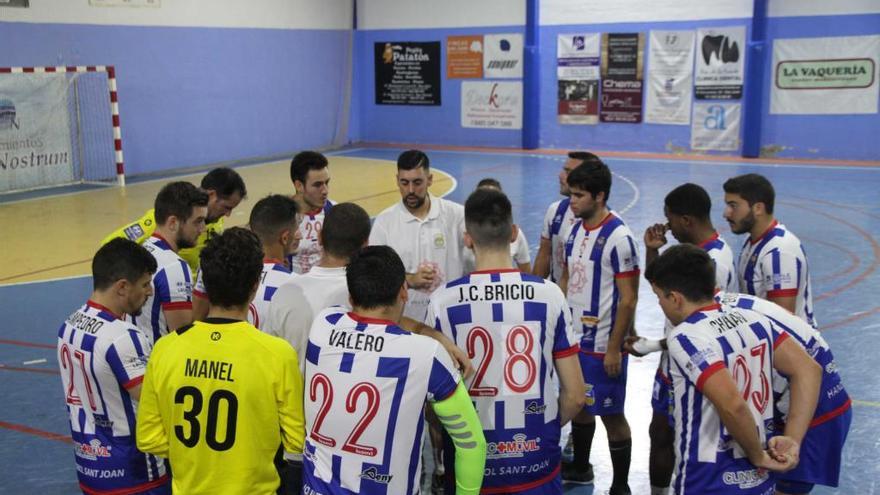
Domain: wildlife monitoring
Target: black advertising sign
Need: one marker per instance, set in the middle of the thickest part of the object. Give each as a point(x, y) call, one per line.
point(407, 73)
point(622, 70)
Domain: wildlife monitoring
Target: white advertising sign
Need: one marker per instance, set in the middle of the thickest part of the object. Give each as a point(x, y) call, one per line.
point(491, 105)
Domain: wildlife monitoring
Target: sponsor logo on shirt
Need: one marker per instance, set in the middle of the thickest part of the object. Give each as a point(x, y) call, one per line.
point(749, 478)
point(533, 407)
point(590, 395)
point(133, 232)
point(92, 450)
point(518, 447)
point(373, 474)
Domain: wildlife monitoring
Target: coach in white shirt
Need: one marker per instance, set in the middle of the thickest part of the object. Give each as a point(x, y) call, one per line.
point(295, 304)
point(426, 231)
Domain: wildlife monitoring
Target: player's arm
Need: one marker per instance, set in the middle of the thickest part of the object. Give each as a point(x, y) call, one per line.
point(176, 318)
point(563, 279)
point(628, 293)
point(721, 390)
point(137, 231)
point(804, 380)
point(128, 361)
point(175, 295)
point(782, 288)
point(290, 403)
point(200, 306)
point(572, 388)
point(458, 356)
point(541, 266)
point(459, 418)
point(150, 431)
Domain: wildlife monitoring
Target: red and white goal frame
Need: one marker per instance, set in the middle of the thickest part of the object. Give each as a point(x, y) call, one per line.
point(114, 102)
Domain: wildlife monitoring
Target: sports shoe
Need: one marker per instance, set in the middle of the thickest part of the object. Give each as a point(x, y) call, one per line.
point(568, 450)
point(618, 491)
point(571, 474)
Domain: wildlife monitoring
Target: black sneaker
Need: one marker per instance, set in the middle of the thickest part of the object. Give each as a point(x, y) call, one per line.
point(572, 474)
point(614, 490)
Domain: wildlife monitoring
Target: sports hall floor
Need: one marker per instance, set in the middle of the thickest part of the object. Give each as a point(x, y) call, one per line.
point(48, 240)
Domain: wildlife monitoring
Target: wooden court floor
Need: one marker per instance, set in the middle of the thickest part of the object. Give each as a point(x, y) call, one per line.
point(55, 236)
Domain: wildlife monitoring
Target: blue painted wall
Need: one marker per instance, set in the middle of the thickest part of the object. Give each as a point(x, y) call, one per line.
point(853, 137)
point(195, 96)
point(418, 124)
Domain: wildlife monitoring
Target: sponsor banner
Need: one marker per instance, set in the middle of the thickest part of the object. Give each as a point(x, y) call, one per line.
point(670, 78)
point(491, 105)
point(720, 66)
point(622, 73)
point(503, 56)
point(715, 126)
point(577, 74)
point(464, 57)
point(825, 75)
point(14, 3)
point(35, 147)
point(407, 73)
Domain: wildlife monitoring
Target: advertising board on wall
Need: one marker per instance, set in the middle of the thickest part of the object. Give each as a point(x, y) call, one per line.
point(491, 104)
point(622, 72)
point(464, 57)
point(407, 73)
point(503, 56)
point(720, 66)
point(670, 77)
point(577, 75)
point(715, 126)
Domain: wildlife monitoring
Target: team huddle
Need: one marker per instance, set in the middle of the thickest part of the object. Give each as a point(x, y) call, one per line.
point(311, 352)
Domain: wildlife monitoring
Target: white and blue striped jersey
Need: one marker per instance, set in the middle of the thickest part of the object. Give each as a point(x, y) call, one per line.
point(512, 325)
point(558, 219)
point(100, 357)
point(725, 271)
point(833, 398)
point(714, 338)
point(274, 275)
point(595, 257)
point(776, 266)
point(366, 384)
point(309, 252)
point(172, 289)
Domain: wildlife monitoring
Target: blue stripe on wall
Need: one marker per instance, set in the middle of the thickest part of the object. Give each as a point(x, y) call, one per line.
point(194, 96)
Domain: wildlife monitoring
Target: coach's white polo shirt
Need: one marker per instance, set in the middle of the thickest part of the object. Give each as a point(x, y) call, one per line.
point(438, 240)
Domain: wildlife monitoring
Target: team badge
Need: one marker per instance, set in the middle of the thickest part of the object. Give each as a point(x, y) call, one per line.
point(590, 395)
point(600, 241)
point(439, 240)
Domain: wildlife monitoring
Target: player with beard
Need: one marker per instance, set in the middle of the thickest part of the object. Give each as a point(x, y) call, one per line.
point(181, 209)
point(310, 174)
point(601, 282)
point(772, 264)
point(558, 219)
point(102, 359)
point(225, 190)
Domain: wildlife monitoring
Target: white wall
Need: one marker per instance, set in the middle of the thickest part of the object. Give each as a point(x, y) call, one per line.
point(792, 8)
point(557, 12)
point(415, 14)
point(271, 14)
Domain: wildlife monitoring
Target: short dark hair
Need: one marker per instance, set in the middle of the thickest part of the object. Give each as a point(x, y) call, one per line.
point(686, 269)
point(305, 161)
point(231, 265)
point(488, 218)
point(345, 231)
point(489, 182)
point(753, 188)
point(413, 159)
point(120, 259)
point(584, 156)
point(225, 182)
point(591, 176)
point(271, 215)
point(178, 199)
point(689, 199)
point(375, 275)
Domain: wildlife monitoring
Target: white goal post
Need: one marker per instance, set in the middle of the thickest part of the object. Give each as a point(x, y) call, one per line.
point(58, 126)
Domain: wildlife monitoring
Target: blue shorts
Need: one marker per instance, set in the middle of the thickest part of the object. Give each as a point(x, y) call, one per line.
point(605, 395)
point(661, 398)
point(820, 454)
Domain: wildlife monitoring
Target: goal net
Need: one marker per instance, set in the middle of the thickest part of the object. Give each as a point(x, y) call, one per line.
point(58, 126)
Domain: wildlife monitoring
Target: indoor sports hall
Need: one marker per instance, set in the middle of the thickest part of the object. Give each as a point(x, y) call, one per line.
point(102, 102)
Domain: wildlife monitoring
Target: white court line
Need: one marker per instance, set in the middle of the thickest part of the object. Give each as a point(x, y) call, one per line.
point(59, 279)
point(34, 361)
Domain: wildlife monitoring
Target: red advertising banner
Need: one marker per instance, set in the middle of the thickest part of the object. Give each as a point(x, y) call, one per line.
point(622, 71)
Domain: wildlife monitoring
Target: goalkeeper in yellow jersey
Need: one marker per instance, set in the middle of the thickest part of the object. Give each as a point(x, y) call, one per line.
point(225, 190)
point(220, 397)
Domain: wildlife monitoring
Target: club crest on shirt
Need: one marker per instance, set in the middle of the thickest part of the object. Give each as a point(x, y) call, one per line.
point(590, 395)
point(134, 232)
point(439, 240)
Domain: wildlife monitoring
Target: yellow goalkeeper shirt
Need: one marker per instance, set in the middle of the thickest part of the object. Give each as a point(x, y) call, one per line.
point(141, 230)
point(218, 399)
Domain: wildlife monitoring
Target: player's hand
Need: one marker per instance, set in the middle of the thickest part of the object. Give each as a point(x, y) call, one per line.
point(612, 362)
point(459, 357)
point(766, 461)
point(628, 343)
point(655, 236)
point(422, 278)
point(783, 448)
